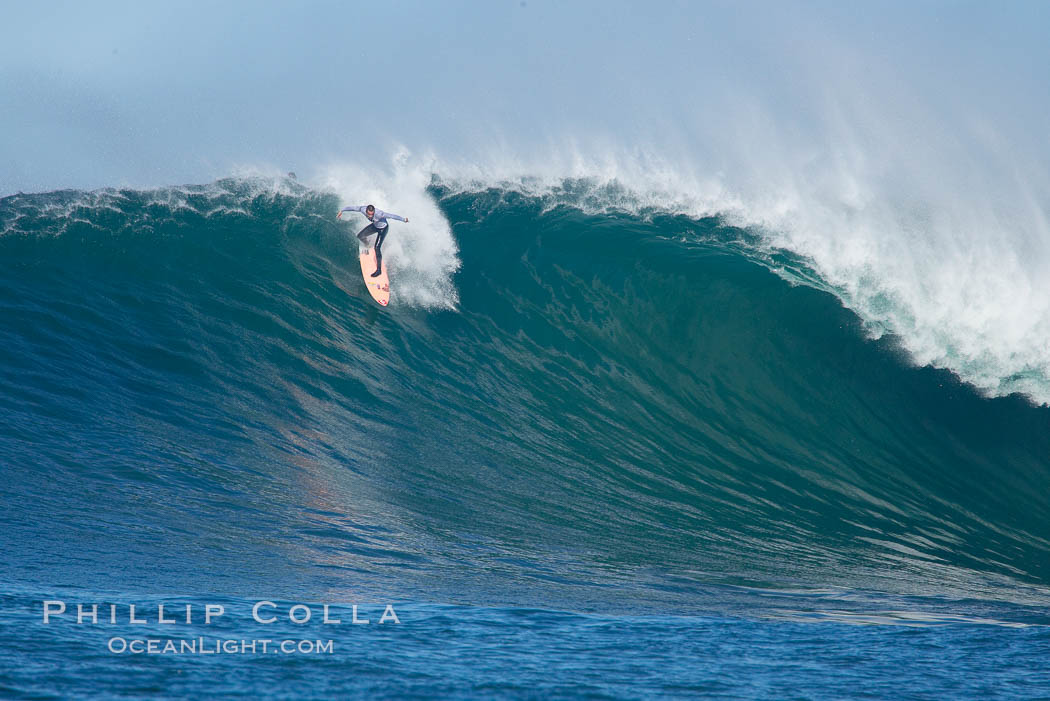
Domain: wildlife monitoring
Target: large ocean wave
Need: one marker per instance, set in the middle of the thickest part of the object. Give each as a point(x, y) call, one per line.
point(578, 393)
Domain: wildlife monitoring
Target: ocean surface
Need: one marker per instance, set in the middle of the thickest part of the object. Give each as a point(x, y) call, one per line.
point(598, 446)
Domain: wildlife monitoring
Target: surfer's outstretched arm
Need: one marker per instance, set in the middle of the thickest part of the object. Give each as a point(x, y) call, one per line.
point(360, 208)
point(388, 215)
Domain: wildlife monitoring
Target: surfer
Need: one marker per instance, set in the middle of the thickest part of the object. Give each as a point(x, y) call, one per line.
point(377, 225)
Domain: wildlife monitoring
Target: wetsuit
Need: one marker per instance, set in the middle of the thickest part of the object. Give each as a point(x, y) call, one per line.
point(378, 225)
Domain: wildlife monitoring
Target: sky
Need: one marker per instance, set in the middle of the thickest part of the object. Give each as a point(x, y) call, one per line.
point(148, 94)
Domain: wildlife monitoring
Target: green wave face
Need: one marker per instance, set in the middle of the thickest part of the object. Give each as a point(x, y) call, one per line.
point(602, 407)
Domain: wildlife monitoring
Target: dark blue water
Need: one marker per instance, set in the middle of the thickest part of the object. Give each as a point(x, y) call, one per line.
point(630, 461)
